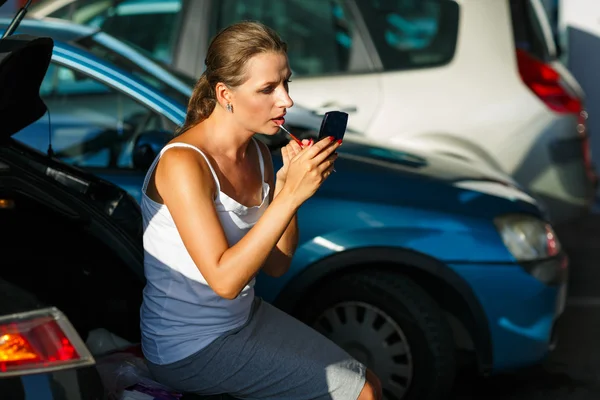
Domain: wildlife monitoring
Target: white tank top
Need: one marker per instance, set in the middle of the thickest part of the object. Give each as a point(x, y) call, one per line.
point(180, 313)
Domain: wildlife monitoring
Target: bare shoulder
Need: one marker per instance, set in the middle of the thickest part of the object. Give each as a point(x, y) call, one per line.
point(184, 169)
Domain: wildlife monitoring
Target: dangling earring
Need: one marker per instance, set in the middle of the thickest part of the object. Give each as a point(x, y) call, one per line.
point(229, 107)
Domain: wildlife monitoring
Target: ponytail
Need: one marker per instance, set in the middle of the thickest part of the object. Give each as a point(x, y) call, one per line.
point(201, 104)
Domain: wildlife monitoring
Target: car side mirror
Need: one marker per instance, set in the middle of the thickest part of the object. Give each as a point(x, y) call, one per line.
point(147, 146)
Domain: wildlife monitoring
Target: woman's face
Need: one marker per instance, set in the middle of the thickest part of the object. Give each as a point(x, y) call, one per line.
point(260, 103)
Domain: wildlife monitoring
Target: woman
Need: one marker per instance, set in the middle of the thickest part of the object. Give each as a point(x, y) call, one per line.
point(214, 217)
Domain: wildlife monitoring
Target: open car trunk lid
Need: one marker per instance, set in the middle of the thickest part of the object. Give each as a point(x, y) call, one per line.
point(24, 60)
point(110, 214)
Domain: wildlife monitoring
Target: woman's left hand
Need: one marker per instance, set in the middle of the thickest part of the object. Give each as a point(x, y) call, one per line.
point(288, 152)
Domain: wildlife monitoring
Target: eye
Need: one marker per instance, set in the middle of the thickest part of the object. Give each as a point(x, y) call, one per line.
point(270, 89)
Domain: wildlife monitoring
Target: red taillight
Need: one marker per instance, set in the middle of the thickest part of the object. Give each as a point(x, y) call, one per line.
point(40, 341)
point(544, 81)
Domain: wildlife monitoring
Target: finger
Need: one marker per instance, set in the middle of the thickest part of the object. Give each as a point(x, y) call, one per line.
point(327, 164)
point(307, 143)
point(293, 148)
point(325, 174)
point(285, 155)
point(319, 146)
point(298, 154)
point(326, 153)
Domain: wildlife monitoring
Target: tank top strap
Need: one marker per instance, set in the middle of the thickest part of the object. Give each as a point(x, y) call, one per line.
point(167, 147)
point(260, 159)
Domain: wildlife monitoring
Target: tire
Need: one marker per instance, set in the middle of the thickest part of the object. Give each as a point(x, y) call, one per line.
point(391, 325)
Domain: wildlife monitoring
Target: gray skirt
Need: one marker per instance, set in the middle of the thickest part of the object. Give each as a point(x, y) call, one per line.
point(272, 356)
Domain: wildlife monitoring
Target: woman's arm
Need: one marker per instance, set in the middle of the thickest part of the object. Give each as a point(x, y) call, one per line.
point(280, 258)
point(185, 183)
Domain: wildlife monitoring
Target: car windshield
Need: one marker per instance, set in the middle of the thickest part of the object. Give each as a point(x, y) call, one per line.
point(130, 66)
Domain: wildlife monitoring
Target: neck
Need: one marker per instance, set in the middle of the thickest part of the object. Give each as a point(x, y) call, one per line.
point(221, 136)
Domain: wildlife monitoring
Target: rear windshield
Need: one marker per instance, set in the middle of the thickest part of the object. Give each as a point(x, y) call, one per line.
point(528, 30)
point(412, 33)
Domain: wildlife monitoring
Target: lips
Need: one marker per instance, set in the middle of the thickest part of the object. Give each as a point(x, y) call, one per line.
point(280, 120)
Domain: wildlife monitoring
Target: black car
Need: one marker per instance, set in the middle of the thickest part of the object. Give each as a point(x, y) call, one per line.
point(41, 353)
point(90, 229)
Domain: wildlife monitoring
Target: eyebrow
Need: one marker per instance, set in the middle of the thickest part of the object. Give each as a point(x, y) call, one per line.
point(288, 76)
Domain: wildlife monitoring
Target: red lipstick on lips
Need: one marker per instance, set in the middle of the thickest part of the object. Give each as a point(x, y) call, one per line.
point(279, 120)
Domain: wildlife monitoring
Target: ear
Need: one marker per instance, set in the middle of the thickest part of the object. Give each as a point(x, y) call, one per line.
point(223, 93)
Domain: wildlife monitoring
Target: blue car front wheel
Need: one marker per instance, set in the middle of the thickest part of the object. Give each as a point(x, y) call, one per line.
point(391, 325)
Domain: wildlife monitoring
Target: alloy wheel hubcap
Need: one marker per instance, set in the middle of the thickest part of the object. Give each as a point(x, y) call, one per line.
point(373, 338)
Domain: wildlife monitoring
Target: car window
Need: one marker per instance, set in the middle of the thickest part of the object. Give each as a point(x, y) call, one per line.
point(76, 11)
point(321, 36)
point(127, 64)
point(527, 30)
point(128, 20)
point(411, 33)
point(148, 24)
point(89, 124)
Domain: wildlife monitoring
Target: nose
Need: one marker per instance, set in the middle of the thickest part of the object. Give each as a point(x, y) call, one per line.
point(285, 101)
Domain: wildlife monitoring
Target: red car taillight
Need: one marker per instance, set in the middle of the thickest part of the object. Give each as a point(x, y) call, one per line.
point(545, 82)
point(40, 341)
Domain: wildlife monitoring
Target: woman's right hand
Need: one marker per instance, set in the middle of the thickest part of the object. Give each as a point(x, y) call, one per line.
point(309, 169)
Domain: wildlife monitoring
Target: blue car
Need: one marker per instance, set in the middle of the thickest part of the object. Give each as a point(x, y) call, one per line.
point(405, 260)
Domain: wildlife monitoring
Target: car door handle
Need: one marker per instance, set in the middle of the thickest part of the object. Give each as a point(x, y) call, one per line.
point(333, 106)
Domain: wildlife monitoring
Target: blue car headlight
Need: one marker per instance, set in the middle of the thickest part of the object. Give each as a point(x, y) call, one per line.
point(528, 238)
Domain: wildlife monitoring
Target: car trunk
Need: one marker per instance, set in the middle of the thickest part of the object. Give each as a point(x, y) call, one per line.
point(72, 239)
point(67, 239)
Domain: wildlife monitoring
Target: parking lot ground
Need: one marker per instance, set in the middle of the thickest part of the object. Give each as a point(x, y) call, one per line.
point(572, 372)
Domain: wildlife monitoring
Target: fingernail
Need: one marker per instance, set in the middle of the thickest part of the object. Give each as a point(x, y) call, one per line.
point(331, 138)
point(340, 142)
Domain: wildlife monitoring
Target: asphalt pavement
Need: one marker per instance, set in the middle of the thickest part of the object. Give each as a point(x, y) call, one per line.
point(572, 371)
